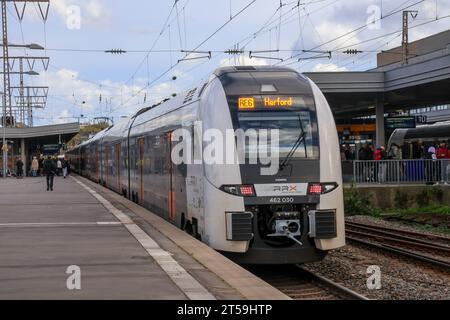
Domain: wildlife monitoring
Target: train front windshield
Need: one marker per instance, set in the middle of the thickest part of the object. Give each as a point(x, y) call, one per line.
point(295, 132)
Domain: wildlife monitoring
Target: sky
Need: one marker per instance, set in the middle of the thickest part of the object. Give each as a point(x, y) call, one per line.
point(86, 83)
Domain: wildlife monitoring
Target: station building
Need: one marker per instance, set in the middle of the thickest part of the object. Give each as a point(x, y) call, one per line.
point(36, 141)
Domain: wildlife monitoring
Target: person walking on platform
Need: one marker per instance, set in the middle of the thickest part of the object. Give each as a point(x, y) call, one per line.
point(68, 166)
point(58, 167)
point(49, 170)
point(34, 167)
point(19, 168)
point(65, 168)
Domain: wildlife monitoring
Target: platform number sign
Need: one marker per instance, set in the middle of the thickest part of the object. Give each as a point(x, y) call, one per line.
point(422, 119)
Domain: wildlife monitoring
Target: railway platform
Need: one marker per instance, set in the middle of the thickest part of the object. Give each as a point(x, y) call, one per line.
point(83, 241)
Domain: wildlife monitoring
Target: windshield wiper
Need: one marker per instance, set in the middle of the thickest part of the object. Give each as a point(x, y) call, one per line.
point(301, 138)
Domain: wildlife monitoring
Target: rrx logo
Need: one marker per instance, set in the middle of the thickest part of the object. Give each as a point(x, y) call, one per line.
point(285, 189)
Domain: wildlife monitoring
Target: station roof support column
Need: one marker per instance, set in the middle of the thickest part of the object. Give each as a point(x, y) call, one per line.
point(23, 155)
point(379, 111)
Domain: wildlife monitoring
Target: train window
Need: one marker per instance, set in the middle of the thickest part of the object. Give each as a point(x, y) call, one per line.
point(290, 126)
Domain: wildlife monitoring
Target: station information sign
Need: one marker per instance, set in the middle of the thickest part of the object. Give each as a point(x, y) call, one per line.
point(400, 122)
point(250, 103)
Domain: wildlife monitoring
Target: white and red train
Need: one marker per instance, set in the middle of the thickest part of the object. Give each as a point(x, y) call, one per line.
point(293, 216)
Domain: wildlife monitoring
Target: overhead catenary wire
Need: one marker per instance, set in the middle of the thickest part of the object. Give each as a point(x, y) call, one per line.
point(221, 52)
point(197, 47)
point(357, 29)
point(178, 24)
point(155, 41)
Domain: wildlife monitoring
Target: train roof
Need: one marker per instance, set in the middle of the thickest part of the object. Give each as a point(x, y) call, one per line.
point(170, 104)
point(246, 74)
point(263, 80)
point(434, 131)
point(193, 94)
point(117, 129)
point(221, 71)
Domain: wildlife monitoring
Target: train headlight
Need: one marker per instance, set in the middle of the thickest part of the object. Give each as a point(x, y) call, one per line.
point(231, 189)
point(239, 190)
point(329, 186)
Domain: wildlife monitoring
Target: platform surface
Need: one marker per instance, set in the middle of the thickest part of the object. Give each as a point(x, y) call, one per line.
point(121, 250)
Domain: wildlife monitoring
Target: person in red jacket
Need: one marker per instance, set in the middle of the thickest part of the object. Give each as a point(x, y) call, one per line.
point(378, 154)
point(442, 151)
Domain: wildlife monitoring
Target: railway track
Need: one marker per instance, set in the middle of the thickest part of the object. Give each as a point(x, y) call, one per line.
point(435, 250)
point(301, 284)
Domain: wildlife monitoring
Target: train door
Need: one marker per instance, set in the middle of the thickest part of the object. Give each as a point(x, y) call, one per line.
point(140, 169)
point(107, 164)
point(97, 164)
point(118, 150)
point(177, 182)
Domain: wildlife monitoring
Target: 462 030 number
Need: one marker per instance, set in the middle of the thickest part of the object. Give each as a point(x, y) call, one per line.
point(281, 200)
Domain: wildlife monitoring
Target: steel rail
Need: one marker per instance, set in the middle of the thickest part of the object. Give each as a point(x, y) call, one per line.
point(403, 252)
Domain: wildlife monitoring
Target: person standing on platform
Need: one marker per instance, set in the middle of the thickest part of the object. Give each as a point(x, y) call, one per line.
point(448, 164)
point(370, 155)
point(49, 170)
point(19, 168)
point(441, 154)
point(395, 168)
point(41, 165)
point(34, 167)
point(430, 167)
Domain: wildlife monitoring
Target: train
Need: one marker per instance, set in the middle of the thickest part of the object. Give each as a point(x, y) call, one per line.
point(430, 134)
point(285, 208)
point(411, 140)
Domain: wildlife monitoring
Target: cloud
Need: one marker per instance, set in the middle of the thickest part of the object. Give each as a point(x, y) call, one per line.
point(95, 9)
point(61, 7)
point(328, 67)
point(92, 13)
point(328, 30)
point(64, 117)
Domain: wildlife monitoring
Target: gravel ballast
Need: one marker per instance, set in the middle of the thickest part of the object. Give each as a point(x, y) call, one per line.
point(401, 278)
